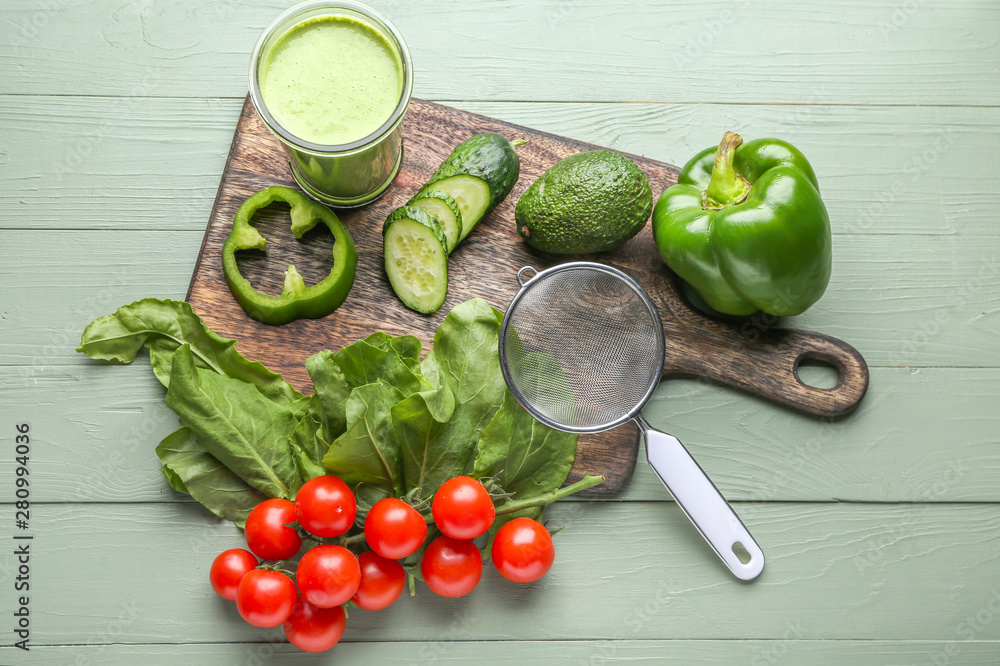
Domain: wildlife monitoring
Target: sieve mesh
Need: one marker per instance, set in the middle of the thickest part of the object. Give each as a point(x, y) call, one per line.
point(582, 347)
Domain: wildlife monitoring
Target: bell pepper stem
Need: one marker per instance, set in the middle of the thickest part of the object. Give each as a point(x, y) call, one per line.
point(726, 187)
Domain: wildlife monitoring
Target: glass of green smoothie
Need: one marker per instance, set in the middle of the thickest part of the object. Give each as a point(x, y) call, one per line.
point(332, 81)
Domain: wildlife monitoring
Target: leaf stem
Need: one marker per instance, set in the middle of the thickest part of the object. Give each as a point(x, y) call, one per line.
point(519, 505)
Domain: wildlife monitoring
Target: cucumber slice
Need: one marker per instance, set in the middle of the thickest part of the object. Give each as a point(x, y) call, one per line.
point(416, 258)
point(488, 156)
point(479, 174)
point(445, 210)
point(472, 195)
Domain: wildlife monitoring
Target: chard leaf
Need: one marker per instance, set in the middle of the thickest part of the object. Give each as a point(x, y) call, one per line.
point(205, 478)
point(331, 393)
point(234, 422)
point(368, 452)
point(163, 326)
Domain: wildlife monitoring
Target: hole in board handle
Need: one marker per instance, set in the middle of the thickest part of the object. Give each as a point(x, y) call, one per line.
point(741, 553)
point(817, 372)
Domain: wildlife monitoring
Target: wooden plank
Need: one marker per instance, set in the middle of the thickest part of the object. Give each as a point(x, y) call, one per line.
point(924, 435)
point(883, 170)
point(538, 653)
point(556, 50)
point(903, 301)
point(840, 571)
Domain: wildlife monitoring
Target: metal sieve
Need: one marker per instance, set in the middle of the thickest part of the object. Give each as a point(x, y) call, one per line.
point(581, 349)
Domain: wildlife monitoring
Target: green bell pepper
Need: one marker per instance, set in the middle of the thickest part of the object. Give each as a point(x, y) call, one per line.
point(745, 226)
point(297, 301)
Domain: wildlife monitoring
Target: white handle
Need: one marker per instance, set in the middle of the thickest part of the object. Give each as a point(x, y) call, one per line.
point(702, 502)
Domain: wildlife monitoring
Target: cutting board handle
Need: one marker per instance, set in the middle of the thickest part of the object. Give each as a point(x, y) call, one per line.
point(767, 364)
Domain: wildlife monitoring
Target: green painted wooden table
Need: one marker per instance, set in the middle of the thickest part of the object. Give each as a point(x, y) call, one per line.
point(882, 529)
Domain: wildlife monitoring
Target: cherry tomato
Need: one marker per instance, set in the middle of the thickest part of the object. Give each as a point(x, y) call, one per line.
point(328, 575)
point(325, 506)
point(463, 508)
point(382, 582)
point(267, 532)
point(450, 567)
point(265, 598)
point(314, 629)
point(394, 529)
point(523, 551)
point(228, 570)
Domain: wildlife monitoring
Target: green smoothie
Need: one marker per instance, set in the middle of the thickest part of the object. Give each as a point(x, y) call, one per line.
point(331, 80)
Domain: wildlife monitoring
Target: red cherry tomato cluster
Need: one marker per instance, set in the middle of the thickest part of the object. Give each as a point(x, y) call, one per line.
point(310, 608)
point(327, 576)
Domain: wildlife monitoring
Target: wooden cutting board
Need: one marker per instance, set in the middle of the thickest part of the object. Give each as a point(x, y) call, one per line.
point(752, 355)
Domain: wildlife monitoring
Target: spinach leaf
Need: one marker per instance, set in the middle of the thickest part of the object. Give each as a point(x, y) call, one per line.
point(377, 357)
point(301, 406)
point(464, 363)
point(207, 480)
point(163, 326)
point(432, 439)
point(174, 480)
point(529, 458)
point(407, 346)
point(368, 452)
point(364, 363)
point(465, 360)
point(381, 419)
point(331, 393)
point(308, 437)
point(247, 432)
point(305, 467)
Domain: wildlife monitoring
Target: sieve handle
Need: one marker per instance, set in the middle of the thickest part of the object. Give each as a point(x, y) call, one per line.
point(702, 502)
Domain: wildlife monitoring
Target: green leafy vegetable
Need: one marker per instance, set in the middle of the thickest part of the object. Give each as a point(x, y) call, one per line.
point(424, 423)
point(368, 452)
point(247, 432)
point(308, 437)
point(465, 363)
point(379, 418)
point(465, 359)
point(527, 458)
point(174, 480)
point(163, 326)
point(364, 363)
point(331, 393)
point(200, 474)
point(305, 467)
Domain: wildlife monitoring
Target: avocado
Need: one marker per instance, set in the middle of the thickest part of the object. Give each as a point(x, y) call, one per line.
point(588, 202)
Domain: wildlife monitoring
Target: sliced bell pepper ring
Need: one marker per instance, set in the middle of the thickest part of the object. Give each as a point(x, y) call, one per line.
point(297, 301)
